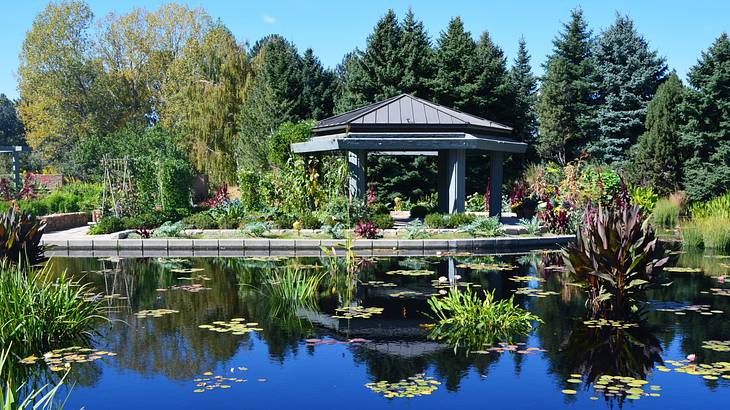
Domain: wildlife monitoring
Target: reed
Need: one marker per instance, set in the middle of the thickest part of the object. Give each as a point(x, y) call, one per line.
point(41, 312)
point(666, 214)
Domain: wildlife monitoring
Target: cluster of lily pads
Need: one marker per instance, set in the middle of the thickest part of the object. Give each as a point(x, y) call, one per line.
point(712, 371)
point(526, 279)
point(617, 386)
point(520, 348)
point(408, 293)
point(717, 345)
point(534, 292)
point(486, 266)
point(705, 310)
point(717, 292)
point(619, 324)
point(62, 359)
point(194, 288)
point(379, 284)
point(154, 313)
point(682, 269)
point(413, 272)
point(237, 326)
point(186, 270)
point(357, 312)
point(209, 381)
point(418, 385)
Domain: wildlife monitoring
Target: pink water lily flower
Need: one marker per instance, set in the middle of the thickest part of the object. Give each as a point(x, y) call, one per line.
point(691, 357)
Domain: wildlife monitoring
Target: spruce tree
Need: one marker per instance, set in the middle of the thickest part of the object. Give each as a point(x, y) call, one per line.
point(524, 88)
point(493, 98)
point(455, 82)
point(627, 74)
point(318, 87)
point(656, 158)
point(417, 58)
point(706, 136)
point(564, 103)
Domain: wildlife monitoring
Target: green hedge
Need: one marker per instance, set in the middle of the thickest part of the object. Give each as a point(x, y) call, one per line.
point(76, 197)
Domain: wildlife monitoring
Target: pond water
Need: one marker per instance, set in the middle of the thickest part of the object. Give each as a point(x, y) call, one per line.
point(310, 355)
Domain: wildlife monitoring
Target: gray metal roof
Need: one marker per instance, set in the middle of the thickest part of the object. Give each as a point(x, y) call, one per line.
point(407, 113)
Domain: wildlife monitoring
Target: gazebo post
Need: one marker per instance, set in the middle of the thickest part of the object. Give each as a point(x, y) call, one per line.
point(457, 180)
point(495, 183)
point(357, 163)
point(442, 185)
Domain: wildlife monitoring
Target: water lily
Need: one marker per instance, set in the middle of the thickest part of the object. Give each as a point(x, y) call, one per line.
point(691, 357)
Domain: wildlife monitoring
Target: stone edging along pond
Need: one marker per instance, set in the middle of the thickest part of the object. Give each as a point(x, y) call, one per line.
point(304, 247)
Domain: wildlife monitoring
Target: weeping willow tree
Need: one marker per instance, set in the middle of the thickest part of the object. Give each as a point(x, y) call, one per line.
point(206, 90)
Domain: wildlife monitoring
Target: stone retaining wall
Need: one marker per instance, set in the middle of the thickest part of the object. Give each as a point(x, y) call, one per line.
point(58, 222)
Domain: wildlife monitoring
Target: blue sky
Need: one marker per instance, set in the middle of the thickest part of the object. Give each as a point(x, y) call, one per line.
point(679, 30)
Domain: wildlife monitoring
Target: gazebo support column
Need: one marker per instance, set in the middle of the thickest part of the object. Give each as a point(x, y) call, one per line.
point(495, 183)
point(456, 172)
point(357, 163)
point(442, 186)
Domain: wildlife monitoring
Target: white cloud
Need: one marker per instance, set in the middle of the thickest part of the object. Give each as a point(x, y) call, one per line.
point(269, 19)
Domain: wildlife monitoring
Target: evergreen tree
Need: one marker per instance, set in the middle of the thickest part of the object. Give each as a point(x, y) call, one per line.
point(417, 58)
point(493, 98)
point(11, 129)
point(656, 159)
point(627, 76)
point(524, 89)
point(706, 136)
point(318, 88)
point(564, 103)
point(455, 82)
point(349, 74)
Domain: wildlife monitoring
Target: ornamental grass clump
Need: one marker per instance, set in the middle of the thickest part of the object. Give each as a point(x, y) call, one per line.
point(464, 318)
point(292, 287)
point(616, 257)
point(666, 214)
point(40, 312)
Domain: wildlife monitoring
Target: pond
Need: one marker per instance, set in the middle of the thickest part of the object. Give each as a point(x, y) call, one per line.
point(201, 333)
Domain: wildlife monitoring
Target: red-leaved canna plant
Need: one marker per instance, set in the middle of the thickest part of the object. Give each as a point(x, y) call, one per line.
point(366, 229)
point(219, 198)
point(616, 257)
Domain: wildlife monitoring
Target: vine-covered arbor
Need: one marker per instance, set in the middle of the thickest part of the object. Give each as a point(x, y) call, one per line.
point(406, 125)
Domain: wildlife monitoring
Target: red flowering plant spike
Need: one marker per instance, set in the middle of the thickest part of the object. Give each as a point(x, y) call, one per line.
point(371, 195)
point(28, 191)
point(6, 189)
point(366, 229)
point(219, 198)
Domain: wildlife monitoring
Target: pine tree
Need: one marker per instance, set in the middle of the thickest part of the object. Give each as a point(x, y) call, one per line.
point(417, 57)
point(455, 83)
point(627, 76)
point(706, 136)
point(656, 158)
point(318, 87)
point(524, 89)
point(564, 103)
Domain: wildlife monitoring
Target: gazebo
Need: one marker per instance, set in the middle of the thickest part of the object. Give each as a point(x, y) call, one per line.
point(406, 125)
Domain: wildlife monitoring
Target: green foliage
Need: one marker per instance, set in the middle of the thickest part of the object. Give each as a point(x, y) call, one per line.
point(201, 220)
point(615, 257)
point(532, 226)
point(464, 319)
point(448, 221)
point(524, 85)
point(665, 214)
point(419, 211)
point(416, 230)
point(20, 237)
point(657, 157)
point(718, 206)
point(482, 226)
point(710, 225)
point(11, 391)
point(565, 99)
point(249, 188)
point(691, 235)
point(382, 221)
point(280, 141)
point(476, 202)
point(11, 128)
point(40, 312)
point(291, 287)
point(627, 74)
point(256, 229)
point(108, 224)
point(77, 197)
point(175, 178)
point(169, 229)
point(645, 197)
point(705, 140)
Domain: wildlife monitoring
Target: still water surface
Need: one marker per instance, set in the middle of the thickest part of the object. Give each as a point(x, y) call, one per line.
point(301, 358)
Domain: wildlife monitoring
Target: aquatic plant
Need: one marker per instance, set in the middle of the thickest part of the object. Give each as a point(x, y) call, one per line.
point(291, 287)
point(615, 258)
point(10, 396)
point(666, 214)
point(20, 237)
point(39, 311)
point(466, 319)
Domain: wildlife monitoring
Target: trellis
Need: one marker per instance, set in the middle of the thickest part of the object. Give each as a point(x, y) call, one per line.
point(117, 184)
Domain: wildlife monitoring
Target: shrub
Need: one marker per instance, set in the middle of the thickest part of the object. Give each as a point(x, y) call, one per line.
point(106, 225)
point(248, 187)
point(416, 230)
point(169, 230)
point(419, 211)
point(201, 220)
point(463, 319)
point(382, 221)
point(256, 229)
point(666, 214)
point(20, 237)
point(366, 229)
point(378, 209)
point(435, 221)
point(309, 221)
point(482, 227)
point(644, 197)
point(175, 180)
point(448, 221)
point(336, 231)
point(476, 202)
point(39, 312)
point(615, 258)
